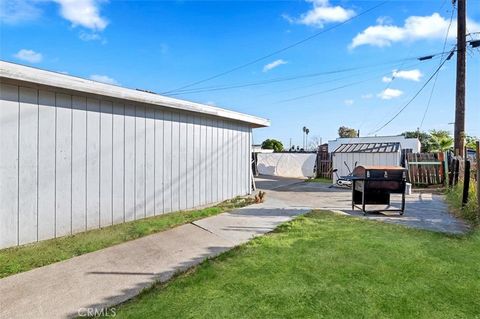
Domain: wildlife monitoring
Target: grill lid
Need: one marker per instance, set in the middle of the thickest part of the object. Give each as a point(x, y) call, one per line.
point(379, 172)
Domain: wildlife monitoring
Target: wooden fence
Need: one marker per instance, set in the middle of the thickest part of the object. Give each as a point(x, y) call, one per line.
point(425, 168)
point(324, 163)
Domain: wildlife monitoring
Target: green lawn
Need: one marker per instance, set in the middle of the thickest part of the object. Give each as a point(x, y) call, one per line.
point(327, 266)
point(319, 180)
point(23, 258)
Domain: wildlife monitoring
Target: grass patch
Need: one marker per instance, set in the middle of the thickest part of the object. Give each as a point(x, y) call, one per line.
point(19, 259)
point(319, 180)
point(327, 266)
point(470, 212)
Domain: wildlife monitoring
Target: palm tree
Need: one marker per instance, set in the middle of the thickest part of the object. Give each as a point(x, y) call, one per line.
point(440, 141)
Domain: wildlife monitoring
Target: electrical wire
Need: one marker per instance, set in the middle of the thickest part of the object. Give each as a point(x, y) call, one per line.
point(276, 80)
point(277, 51)
point(436, 76)
point(296, 77)
point(416, 94)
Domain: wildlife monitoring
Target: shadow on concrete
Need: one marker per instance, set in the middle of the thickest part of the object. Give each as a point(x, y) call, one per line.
point(151, 280)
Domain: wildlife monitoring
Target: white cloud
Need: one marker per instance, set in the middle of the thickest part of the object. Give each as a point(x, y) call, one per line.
point(273, 65)
point(389, 94)
point(321, 13)
point(103, 79)
point(84, 13)
point(387, 79)
point(89, 36)
point(414, 28)
point(411, 75)
point(29, 56)
point(367, 96)
point(18, 11)
point(349, 102)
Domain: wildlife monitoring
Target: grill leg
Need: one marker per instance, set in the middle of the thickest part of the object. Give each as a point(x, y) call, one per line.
point(403, 203)
point(353, 195)
point(363, 201)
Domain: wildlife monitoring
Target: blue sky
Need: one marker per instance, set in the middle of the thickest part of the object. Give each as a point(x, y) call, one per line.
point(164, 45)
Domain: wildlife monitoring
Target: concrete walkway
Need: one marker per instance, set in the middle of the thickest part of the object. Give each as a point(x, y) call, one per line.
point(112, 275)
point(424, 211)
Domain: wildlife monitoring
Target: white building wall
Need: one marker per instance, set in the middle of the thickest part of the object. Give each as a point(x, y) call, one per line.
point(70, 162)
point(286, 164)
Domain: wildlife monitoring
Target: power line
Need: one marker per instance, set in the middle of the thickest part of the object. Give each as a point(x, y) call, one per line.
point(277, 51)
point(276, 80)
point(296, 77)
point(416, 94)
point(436, 76)
point(332, 89)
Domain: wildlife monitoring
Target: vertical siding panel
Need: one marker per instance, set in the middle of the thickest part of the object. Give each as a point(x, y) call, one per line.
point(230, 161)
point(250, 176)
point(150, 162)
point(93, 163)
point(175, 177)
point(118, 162)
point(246, 164)
point(225, 173)
point(106, 127)
point(9, 112)
point(243, 155)
point(63, 165)
point(27, 165)
point(79, 169)
point(140, 162)
point(159, 194)
point(167, 161)
point(236, 154)
point(129, 178)
point(215, 155)
point(183, 144)
point(46, 165)
point(196, 160)
point(208, 162)
point(203, 159)
point(190, 148)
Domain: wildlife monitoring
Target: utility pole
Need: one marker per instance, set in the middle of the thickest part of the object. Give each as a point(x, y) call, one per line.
point(459, 134)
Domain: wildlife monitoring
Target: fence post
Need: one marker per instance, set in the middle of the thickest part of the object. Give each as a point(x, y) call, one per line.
point(456, 172)
point(446, 175)
point(466, 182)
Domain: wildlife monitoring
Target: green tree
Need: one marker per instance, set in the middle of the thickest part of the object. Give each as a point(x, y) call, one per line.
point(344, 131)
point(272, 144)
point(440, 141)
point(471, 141)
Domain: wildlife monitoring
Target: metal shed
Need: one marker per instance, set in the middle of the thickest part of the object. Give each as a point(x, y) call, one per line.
point(365, 154)
point(77, 154)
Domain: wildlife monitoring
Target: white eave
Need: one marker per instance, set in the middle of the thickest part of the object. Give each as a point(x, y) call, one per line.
point(33, 75)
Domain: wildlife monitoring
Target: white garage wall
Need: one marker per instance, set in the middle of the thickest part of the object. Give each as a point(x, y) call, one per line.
point(286, 164)
point(71, 162)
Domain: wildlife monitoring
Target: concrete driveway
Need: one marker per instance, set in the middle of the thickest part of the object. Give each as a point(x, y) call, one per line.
point(425, 211)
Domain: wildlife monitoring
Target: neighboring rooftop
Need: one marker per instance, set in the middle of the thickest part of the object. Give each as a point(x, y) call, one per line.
point(368, 148)
point(18, 72)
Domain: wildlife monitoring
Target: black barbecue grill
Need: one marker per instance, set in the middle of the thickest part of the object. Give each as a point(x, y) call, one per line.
point(372, 185)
